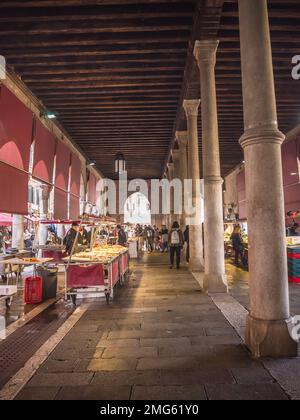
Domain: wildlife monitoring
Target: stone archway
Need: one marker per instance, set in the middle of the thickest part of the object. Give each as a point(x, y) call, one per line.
point(137, 209)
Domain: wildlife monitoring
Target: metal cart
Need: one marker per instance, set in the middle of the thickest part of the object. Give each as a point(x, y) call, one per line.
point(91, 279)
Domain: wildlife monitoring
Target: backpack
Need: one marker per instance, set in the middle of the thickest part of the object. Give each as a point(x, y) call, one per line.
point(149, 233)
point(175, 238)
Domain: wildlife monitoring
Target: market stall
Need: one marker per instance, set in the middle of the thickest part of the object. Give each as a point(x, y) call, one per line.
point(95, 273)
point(13, 284)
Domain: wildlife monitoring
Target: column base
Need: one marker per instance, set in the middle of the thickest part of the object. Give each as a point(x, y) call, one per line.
point(270, 338)
point(196, 267)
point(215, 283)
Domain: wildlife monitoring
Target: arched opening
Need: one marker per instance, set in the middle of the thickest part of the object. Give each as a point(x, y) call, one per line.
point(137, 209)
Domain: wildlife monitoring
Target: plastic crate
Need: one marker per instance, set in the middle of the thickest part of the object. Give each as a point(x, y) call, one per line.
point(294, 268)
point(294, 261)
point(294, 251)
point(292, 256)
point(33, 292)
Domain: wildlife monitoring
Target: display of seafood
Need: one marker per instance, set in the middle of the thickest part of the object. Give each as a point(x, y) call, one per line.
point(102, 254)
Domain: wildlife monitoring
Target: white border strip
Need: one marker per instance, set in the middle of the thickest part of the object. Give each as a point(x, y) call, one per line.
point(233, 311)
point(20, 379)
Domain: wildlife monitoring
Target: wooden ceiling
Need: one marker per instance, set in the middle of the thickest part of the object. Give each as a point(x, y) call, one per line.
point(116, 71)
point(112, 70)
point(222, 22)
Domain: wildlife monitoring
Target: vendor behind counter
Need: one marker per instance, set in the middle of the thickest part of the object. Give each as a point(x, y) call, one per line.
point(83, 240)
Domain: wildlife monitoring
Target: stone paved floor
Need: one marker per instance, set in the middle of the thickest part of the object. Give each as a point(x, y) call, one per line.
point(161, 339)
point(18, 309)
point(238, 280)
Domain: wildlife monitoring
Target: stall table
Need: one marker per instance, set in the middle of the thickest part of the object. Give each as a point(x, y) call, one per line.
point(111, 270)
point(9, 290)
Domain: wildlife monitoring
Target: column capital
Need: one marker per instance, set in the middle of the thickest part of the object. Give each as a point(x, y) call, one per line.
point(205, 51)
point(182, 138)
point(191, 107)
point(262, 134)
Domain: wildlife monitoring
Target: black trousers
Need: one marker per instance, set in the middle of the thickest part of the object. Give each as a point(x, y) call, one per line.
point(175, 250)
point(188, 253)
point(238, 254)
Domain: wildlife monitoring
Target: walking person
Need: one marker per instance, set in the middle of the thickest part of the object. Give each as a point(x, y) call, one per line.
point(122, 237)
point(187, 240)
point(164, 239)
point(156, 239)
point(238, 245)
point(176, 242)
point(149, 237)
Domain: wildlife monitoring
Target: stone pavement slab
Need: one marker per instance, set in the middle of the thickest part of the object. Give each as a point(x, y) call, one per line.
point(165, 393)
point(41, 393)
point(132, 353)
point(197, 376)
point(60, 379)
point(238, 392)
point(94, 393)
point(166, 363)
point(97, 365)
point(128, 378)
point(127, 343)
point(253, 375)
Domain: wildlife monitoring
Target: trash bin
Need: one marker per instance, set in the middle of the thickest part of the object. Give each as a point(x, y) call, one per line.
point(49, 280)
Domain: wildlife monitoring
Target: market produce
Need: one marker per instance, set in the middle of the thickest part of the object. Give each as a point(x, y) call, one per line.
point(102, 254)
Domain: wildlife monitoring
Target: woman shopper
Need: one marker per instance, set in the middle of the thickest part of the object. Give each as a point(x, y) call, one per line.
point(176, 242)
point(238, 246)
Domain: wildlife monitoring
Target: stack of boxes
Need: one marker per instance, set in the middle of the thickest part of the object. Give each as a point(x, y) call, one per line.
point(294, 264)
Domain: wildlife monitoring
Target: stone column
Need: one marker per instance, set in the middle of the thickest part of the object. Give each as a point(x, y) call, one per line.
point(18, 232)
point(170, 178)
point(45, 195)
point(44, 211)
point(182, 138)
point(196, 240)
point(215, 278)
point(269, 320)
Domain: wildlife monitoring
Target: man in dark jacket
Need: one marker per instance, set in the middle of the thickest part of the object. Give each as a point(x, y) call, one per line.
point(70, 237)
point(176, 242)
point(122, 237)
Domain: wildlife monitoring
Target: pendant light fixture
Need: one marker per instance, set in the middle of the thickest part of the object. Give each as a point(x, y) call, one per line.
point(120, 163)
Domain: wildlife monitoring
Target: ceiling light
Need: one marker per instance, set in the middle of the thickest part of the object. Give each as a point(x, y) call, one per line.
point(49, 114)
point(120, 163)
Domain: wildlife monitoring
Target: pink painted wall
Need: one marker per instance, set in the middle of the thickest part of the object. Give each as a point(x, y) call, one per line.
point(291, 179)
